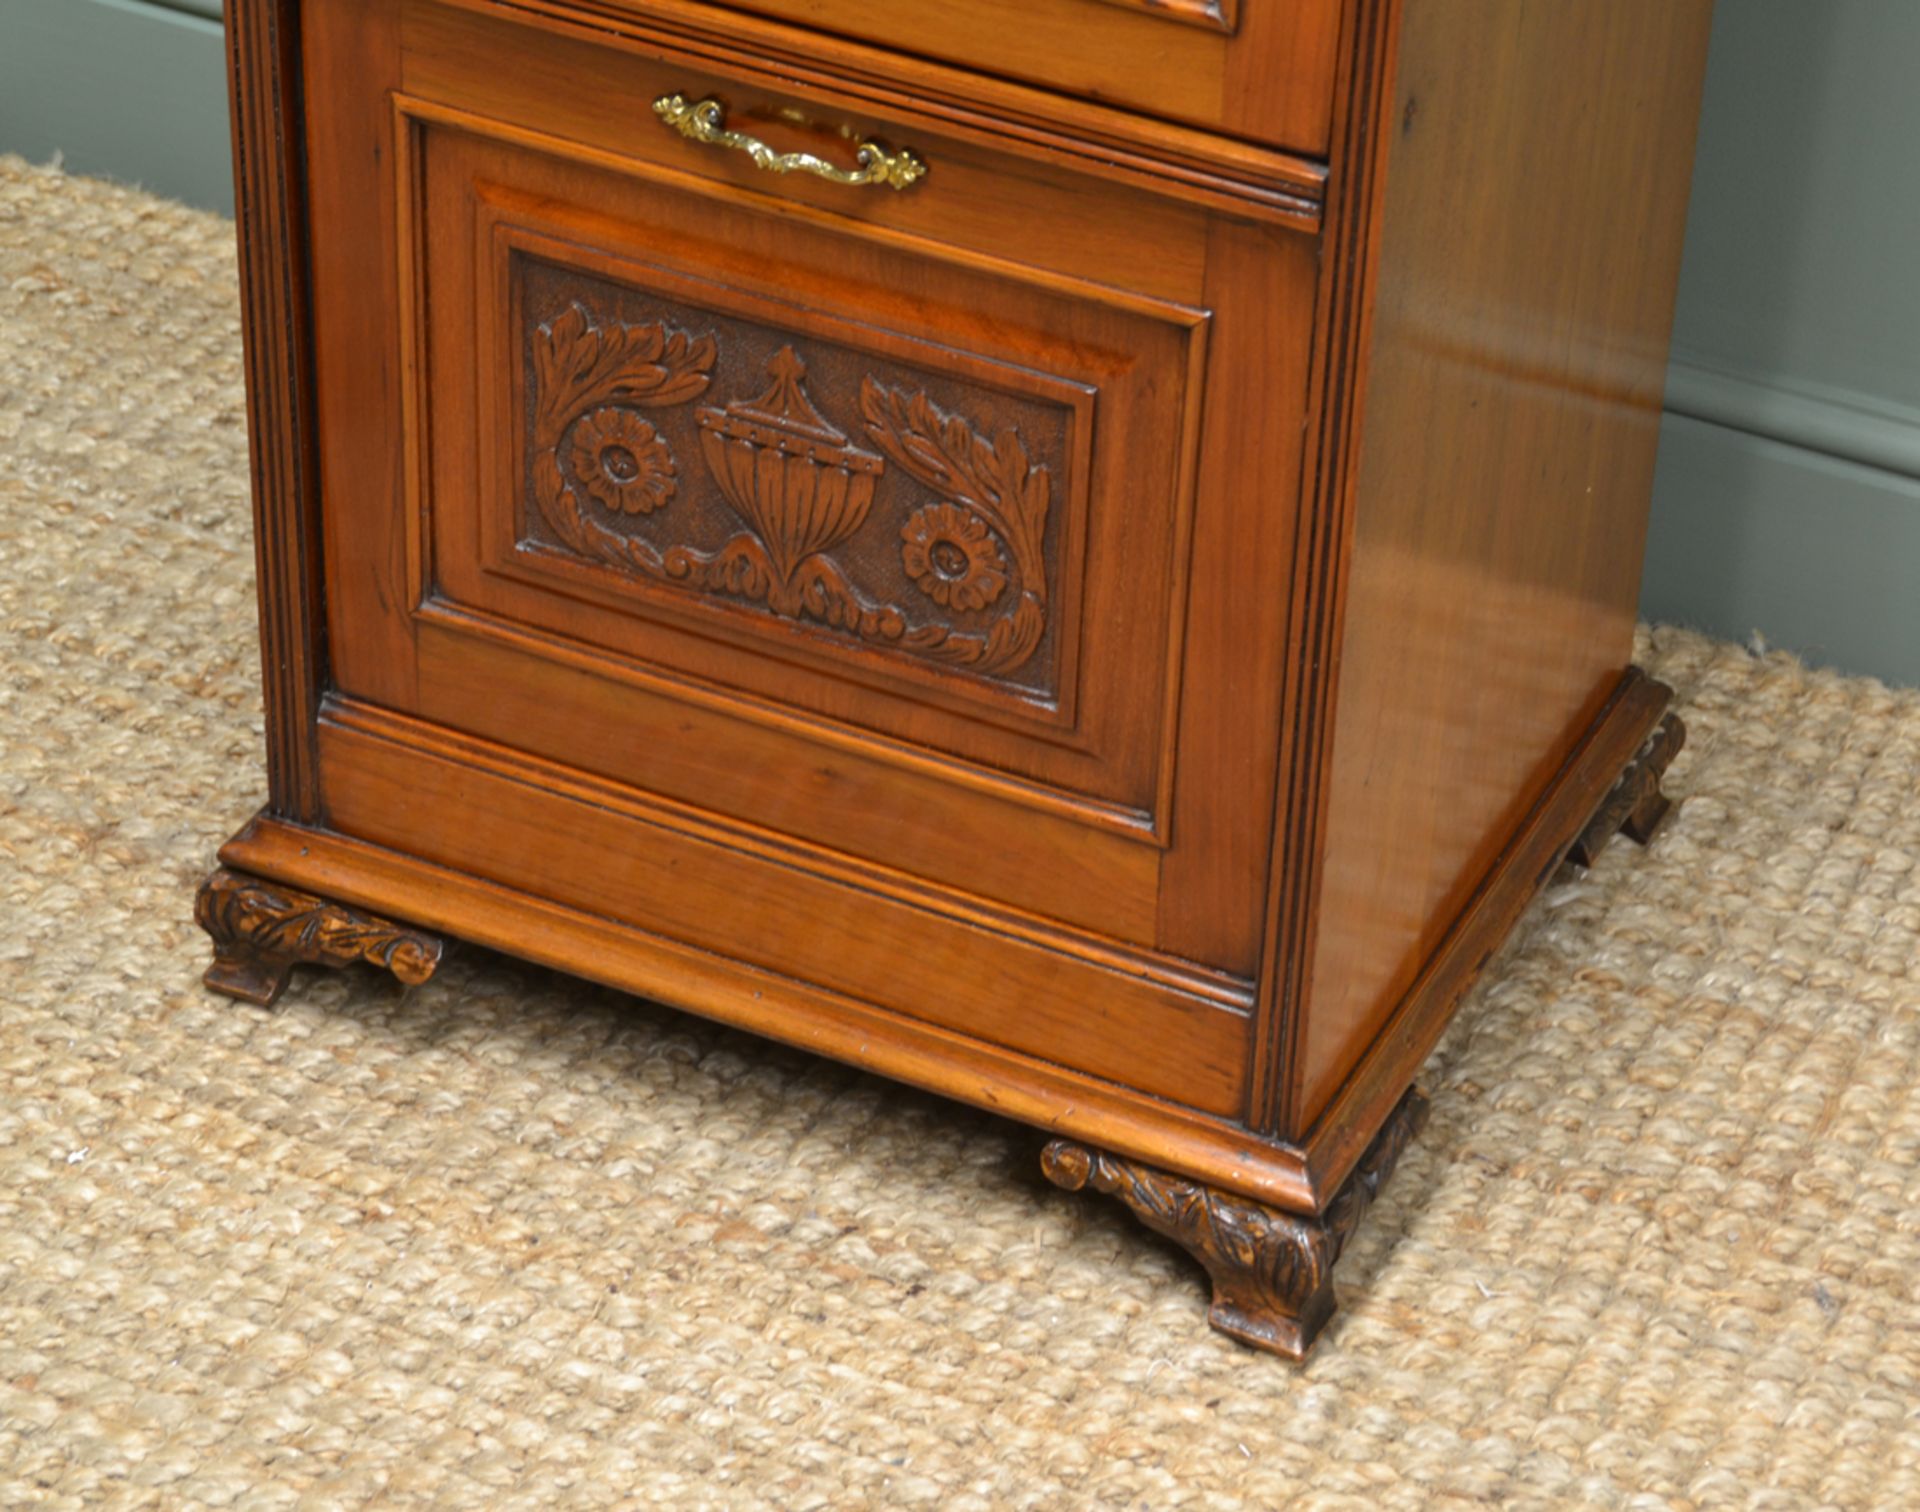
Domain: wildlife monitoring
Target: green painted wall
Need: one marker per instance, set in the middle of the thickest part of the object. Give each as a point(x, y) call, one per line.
point(1787, 502)
point(129, 89)
point(1788, 497)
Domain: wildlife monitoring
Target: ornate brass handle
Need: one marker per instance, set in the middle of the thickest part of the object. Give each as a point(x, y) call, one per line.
point(706, 122)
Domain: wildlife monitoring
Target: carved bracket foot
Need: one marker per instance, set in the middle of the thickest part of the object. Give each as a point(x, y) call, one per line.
point(262, 930)
point(1636, 807)
point(1272, 1271)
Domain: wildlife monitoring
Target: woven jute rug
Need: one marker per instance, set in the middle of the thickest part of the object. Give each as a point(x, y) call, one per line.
point(512, 1241)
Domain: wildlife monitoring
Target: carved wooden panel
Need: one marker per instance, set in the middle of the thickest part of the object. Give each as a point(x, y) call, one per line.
point(792, 477)
point(610, 580)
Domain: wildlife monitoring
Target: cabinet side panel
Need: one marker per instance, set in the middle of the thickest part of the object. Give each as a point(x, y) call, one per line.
point(1538, 170)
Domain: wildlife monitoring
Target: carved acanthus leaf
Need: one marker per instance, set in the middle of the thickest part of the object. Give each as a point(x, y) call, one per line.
point(578, 363)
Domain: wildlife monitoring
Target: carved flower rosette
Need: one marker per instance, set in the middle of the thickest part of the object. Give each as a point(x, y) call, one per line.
point(992, 491)
point(622, 461)
point(590, 441)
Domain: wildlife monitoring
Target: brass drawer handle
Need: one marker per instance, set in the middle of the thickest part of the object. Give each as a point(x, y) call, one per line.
point(706, 122)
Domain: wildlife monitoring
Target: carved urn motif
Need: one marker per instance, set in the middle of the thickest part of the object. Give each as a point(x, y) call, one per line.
point(789, 473)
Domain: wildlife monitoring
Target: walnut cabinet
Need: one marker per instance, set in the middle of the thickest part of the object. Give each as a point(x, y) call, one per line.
point(1078, 553)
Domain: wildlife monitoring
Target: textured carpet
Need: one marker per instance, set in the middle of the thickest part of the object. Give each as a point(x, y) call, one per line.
point(512, 1241)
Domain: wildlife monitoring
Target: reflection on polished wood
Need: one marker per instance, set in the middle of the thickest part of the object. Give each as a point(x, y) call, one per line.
point(1529, 248)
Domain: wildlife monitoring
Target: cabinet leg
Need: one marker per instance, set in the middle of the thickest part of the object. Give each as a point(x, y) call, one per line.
point(262, 930)
point(1636, 807)
point(1272, 1271)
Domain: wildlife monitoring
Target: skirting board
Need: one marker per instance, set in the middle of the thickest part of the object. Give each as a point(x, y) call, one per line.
point(125, 89)
point(1809, 551)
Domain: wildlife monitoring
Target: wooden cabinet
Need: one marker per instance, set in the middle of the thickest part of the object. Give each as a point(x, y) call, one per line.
point(1095, 576)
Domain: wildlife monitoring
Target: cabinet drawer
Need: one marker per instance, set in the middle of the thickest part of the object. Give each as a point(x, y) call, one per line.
point(1259, 69)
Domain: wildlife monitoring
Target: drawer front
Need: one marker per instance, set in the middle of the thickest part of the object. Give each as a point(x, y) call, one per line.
point(769, 461)
point(1259, 69)
point(927, 547)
